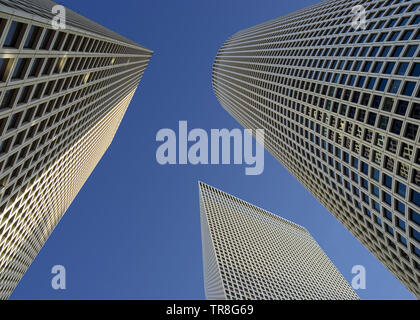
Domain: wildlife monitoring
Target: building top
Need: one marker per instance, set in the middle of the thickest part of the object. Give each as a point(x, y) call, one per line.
point(41, 11)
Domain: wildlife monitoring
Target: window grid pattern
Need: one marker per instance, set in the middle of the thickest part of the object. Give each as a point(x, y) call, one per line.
point(341, 111)
point(62, 96)
point(251, 254)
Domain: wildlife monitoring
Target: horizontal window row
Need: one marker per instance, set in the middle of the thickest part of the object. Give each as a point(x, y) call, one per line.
point(20, 34)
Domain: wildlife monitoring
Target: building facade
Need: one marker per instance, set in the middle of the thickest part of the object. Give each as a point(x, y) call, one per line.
point(252, 254)
point(63, 93)
point(340, 106)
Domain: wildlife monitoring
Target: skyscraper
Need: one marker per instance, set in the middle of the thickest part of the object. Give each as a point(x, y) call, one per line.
point(340, 105)
point(252, 254)
point(63, 95)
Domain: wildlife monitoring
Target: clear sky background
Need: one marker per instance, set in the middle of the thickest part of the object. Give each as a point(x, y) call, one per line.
point(133, 232)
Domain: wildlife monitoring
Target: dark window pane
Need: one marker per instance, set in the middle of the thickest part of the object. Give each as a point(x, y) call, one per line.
point(402, 68)
point(415, 198)
point(402, 107)
point(411, 131)
point(409, 88)
point(396, 126)
point(415, 111)
point(411, 50)
point(12, 39)
point(31, 38)
point(395, 85)
point(382, 84)
point(389, 67)
point(415, 217)
point(415, 71)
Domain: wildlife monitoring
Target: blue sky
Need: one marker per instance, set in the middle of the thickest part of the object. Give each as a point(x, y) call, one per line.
point(133, 232)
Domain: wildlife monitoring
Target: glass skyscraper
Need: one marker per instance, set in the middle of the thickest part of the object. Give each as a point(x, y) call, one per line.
point(252, 254)
point(63, 94)
point(341, 111)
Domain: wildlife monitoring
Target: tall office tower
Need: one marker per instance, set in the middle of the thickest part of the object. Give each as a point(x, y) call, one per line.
point(252, 254)
point(63, 95)
point(341, 111)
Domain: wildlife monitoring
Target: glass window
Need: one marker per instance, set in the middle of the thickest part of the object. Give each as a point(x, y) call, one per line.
point(371, 83)
point(361, 81)
point(407, 34)
point(346, 171)
point(401, 189)
point(31, 37)
point(387, 214)
point(365, 184)
point(415, 197)
point(416, 250)
point(372, 118)
point(415, 7)
point(356, 191)
point(391, 23)
point(375, 174)
point(409, 88)
point(411, 131)
point(411, 50)
point(376, 101)
point(389, 229)
point(402, 107)
point(382, 37)
point(395, 85)
point(346, 157)
point(19, 69)
point(385, 51)
point(374, 52)
point(403, 22)
point(415, 70)
point(402, 240)
point(15, 30)
point(415, 112)
point(396, 126)
point(397, 51)
point(378, 67)
point(389, 67)
point(376, 206)
point(415, 217)
point(375, 190)
point(4, 68)
point(394, 35)
point(383, 122)
point(382, 84)
point(400, 206)
point(416, 20)
point(355, 177)
point(401, 9)
point(365, 168)
point(355, 162)
point(400, 224)
point(349, 65)
point(367, 66)
point(402, 68)
point(415, 234)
